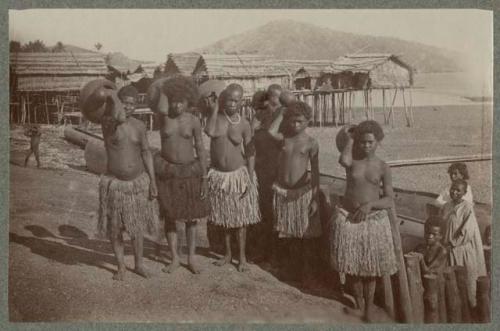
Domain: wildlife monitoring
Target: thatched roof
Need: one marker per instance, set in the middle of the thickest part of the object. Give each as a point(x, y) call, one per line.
point(365, 62)
point(307, 68)
point(182, 63)
point(55, 71)
point(239, 66)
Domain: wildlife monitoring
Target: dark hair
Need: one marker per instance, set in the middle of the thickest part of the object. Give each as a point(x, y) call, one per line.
point(227, 90)
point(461, 167)
point(460, 181)
point(433, 221)
point(181, 88)
point(298, 108)
point(258, 100)
point(127, 91)
point(369, 126)
point(274, 87)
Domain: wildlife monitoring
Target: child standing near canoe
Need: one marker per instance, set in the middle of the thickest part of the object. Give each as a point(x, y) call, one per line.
point(180, 167)
point(231, 180)
point(463, 237)
point(456, 171)
point(128, 189)
point(362, 244)
point(295, 198)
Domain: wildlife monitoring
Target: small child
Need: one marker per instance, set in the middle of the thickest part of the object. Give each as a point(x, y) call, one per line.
point(34, 132)
point(296, 193)
point(435, 254)
point(463, 237)
point(456, 171)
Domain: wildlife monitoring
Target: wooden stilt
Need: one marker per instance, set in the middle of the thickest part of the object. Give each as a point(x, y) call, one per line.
point(452, 297)
point(411, 107)
point(431, 290)
point(391, 112)
point(415, 286)
point(334, 110)
point(483, 299)
point(372, 109)
point(407, 116)
point(383, 106)
point(353, 114)
point(461, 275)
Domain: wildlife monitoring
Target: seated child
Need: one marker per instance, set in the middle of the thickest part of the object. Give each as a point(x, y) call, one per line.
point(456, 171)
point(295, 199)
point(34, 132)
point(463, 237)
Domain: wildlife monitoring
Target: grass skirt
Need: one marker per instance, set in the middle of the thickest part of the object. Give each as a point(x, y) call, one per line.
point(291, 212)
point(365, 248)
point(179, 188)
point(125, 205)
point(228, 208)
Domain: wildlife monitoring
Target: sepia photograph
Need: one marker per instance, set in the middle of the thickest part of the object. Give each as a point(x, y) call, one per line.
point(296, 166)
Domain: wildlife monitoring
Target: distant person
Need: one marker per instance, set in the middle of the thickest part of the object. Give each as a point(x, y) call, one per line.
point(181, 167)
point(362, 244)
point(456, 171)
point(128, 190)
point(463, 237)
point(296, 192)
point(231, 180)
point(34, 132)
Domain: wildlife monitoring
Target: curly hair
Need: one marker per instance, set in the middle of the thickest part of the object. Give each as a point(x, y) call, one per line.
point(180, 88)
point(127, 91)
point(259, 99)
point(230, 88)
point(460, 181)
point(369, 126)
point(298, 108)
point(433, 221)
point(461, 167)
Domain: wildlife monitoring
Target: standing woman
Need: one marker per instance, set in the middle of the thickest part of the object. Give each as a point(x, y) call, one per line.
point(362, 244)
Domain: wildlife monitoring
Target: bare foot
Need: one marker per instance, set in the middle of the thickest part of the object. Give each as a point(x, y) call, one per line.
point(243, 267)
point(171, 267)
point(223, 261)
point(142, 272)
point(193, 268)
point(119, 275)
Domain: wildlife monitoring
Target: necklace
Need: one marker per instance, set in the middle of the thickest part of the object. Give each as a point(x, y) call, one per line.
point(231, 121)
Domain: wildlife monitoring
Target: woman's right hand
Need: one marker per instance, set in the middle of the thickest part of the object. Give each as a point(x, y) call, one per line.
point(212, 102)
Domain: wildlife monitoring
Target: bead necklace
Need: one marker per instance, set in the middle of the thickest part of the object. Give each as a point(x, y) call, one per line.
point(231, 121)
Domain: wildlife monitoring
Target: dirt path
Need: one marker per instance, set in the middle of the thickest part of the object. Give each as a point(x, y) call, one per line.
point(58, 271)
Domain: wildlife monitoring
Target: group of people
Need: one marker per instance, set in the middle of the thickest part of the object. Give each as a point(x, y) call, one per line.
point(263, 176)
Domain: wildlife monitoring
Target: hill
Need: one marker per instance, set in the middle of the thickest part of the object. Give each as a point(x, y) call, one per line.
point(288, 39)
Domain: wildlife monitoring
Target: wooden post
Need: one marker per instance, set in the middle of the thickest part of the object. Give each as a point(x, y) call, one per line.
point(415, 286)
point(452, 297)
point(487, 258)
point(411, 107)
point(383, 106)
point(392, 114)
point(461, 275)
point(407, 116)
point(483, 299)
point(334, 110)
point(388, 296)
point(431, 290)
point(353, 114)
point(372, 110)
point(403, 301)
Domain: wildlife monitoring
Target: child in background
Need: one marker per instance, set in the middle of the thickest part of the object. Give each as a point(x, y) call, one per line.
point(456, 171)
point(34, 132)
point(435, 254)
point(463, 237)
point(296, 193)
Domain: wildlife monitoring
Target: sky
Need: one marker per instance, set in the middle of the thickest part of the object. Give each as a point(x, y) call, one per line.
point(150, 34)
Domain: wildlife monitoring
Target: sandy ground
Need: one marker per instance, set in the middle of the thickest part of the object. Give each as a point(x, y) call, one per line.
point(59, 271)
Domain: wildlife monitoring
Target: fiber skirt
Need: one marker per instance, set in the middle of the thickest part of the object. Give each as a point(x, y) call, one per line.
point(228, 207)
point(291, 213)
point(365, 248)
point(179, 188)
point(125, 206)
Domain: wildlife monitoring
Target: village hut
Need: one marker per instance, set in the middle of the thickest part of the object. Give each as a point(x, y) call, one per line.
point(306, 73)
point(181, 63)
point(41, 83)
point(252, 72)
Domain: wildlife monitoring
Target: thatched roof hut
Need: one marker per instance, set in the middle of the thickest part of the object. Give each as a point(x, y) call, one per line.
point(373, 71)
point(181, 63)
point(253, 72)
point(55, 71)
point(307, 72)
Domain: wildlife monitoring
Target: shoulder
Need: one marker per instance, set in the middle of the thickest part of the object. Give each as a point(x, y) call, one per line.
point(313, 143)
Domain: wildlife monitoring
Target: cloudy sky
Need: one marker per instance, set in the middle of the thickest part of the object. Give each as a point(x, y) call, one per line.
point(152, 34)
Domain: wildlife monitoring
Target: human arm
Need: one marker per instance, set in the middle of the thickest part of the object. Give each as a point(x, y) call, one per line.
point(314, 160)
point(345, 159)
point(201, 153)
point(147, 158)
point(211, 125)
point(274, 128)
point(465, 231)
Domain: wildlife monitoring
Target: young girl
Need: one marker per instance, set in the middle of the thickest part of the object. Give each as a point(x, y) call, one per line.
point(456, 171)
point(362, 244)
point(463, 237)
